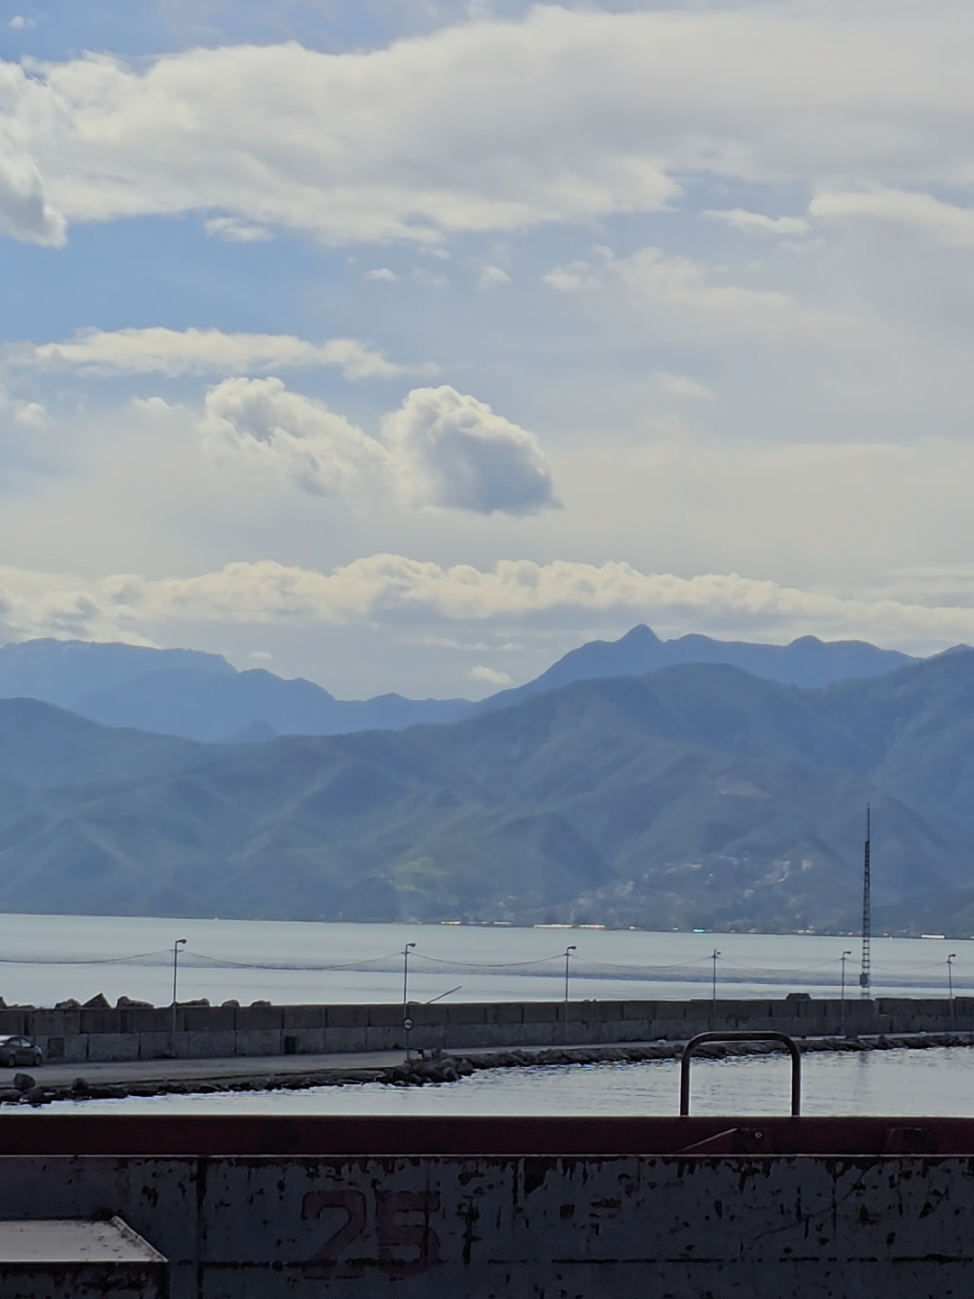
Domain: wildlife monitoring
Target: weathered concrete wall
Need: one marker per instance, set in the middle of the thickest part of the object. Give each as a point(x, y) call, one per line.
point(202, 1031)
point(486, 1227)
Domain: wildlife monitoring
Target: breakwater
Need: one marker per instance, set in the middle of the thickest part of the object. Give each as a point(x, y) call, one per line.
point(431, 1069)
point(79, 1034)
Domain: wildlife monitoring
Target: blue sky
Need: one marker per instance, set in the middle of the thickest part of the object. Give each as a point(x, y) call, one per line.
point(406, 345)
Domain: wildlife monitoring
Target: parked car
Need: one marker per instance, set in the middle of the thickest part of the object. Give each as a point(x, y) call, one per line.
point(19, 1050)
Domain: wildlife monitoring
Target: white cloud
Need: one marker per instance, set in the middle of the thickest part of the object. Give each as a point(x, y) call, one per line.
point(383, 588)
point(156, 407)
point(678, 385)
point(19, 22)
point(382, 273)
point(941, 223)
point(607, 110)
point(455, 451)
point(206, 351)
point(573, 277)
point(693, 299)
point(26, 213)
point(237, 232)
point(491, 277)
point(32, 414)
point(701, 293)
point(748, 222)
point(489, 675)
point(440, 448)
point(288, 435)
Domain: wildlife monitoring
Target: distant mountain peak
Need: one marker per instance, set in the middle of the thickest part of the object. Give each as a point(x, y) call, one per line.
point(807, 661)
point(638, 635)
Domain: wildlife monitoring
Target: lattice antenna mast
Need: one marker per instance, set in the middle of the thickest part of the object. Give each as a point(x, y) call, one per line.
point(866, 915)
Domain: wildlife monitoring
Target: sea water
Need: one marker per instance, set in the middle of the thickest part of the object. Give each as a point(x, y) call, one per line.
point(935, 1081)
point(46, 959)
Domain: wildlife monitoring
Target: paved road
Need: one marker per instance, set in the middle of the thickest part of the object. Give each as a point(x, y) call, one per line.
point(236, 1067)
point(136, 1071)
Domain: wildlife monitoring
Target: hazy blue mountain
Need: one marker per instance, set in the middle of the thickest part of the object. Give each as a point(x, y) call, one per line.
point(805, 662)
point(196, 695)
point(251, 704)
point(61, 671)
point(201, 696)
point(695, 796)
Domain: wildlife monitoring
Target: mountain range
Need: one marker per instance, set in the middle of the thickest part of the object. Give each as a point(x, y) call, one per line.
point(697, 795)
point(201, 696)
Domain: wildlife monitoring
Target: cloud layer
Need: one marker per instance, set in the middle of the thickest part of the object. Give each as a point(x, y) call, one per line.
point(386, 588)
point(174, 352)
point(609, 112)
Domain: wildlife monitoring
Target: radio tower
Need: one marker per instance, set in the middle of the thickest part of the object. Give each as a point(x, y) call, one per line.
point(864, 976)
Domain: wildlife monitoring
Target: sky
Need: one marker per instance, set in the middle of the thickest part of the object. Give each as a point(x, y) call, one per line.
point(406, 344)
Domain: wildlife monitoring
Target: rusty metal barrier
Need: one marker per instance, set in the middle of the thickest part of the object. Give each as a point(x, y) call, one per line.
point(702, 1038)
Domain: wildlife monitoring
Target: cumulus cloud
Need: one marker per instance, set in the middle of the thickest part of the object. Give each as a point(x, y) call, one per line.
point(609, 111)
point(441, 448)
point(490, 676)
point(453, 450)
point(174, 352)
point(292, 436)
point(384, 587)
point(382, 273)
point(942, 223)
point(749, 222)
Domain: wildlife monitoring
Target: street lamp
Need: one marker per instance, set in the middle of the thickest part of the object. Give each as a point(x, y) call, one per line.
point(568, 957)
point(405, 976)
point(714, 995)
point(950, 982)
point(845, 957)
point(180, 942)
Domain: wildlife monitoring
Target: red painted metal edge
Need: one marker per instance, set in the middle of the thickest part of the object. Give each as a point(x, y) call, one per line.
point(100, 1134)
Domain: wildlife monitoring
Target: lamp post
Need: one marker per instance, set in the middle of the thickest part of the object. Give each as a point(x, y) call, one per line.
point(714, 993)
point(568, 957)
point(845, 957)
point(405, 977)
point(950, 982)
point(180, 942)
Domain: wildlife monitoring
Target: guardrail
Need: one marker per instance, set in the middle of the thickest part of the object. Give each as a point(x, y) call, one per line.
point(702, 1038)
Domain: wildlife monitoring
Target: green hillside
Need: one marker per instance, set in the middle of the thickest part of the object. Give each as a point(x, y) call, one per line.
point(696, 796)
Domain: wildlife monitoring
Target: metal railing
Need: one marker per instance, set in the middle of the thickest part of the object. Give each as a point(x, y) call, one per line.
point(702, 1038)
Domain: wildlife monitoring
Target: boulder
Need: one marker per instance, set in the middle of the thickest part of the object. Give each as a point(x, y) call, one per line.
point(98, 1002)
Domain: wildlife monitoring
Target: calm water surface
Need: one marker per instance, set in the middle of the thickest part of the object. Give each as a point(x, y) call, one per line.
point(45, 959)
point(889, 1082)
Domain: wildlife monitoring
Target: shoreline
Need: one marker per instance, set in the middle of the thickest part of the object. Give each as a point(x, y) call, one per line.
point(433, 1069)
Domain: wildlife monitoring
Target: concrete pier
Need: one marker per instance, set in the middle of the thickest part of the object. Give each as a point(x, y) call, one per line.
point(81, 1035)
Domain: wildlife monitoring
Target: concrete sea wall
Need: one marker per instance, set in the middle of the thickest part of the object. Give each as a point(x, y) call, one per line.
point(590, 1209)
point(132, 1033)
